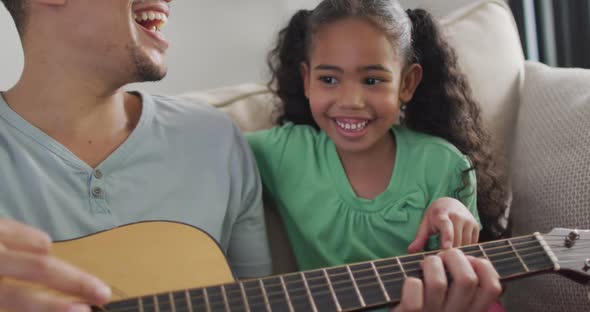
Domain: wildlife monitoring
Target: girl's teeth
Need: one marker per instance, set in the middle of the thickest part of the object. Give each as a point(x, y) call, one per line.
point(352, 126)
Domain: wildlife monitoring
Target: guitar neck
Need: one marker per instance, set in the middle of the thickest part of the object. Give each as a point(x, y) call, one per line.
point(343, 288)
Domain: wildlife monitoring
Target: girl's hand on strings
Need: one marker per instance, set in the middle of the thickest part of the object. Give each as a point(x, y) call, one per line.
point(449, 217)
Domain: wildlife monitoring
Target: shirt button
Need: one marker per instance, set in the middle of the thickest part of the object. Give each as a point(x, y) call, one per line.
point(98, 174)
point(97, 192)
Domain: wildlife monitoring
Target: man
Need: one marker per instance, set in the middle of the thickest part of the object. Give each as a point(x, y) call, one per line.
point(80, 155)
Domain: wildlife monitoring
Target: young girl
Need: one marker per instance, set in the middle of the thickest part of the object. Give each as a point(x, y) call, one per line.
point(350, 184)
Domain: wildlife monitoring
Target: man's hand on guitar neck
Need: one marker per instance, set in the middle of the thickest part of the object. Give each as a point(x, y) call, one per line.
point(475, 287)
point(24, 256)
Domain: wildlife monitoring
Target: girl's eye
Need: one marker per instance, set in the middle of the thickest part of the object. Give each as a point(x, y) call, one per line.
point(328, 80)
point(373, 81)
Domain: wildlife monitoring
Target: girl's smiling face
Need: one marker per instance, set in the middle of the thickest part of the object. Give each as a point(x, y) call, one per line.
point(355, 81)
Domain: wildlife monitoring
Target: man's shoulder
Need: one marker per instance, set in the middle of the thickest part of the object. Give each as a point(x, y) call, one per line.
point(181, 113)
point(185, 107)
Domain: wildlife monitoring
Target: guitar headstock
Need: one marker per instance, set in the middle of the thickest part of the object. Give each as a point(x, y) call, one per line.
point(572, 250)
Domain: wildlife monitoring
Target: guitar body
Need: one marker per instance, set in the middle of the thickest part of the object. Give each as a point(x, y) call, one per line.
point(149, 257)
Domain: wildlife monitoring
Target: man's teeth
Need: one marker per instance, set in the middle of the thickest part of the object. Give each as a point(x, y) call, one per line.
point(352, 126)
point(151, 16)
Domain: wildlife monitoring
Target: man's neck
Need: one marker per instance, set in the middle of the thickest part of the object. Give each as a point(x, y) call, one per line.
point(55, 98)
point(85, 115)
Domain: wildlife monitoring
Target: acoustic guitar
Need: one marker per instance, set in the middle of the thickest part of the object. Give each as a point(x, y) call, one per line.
point(165, 266)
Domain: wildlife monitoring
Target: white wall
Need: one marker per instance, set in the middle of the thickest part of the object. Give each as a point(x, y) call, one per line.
point(213, 42)
point(438, 8)
point(11, 56)
point(218, 42)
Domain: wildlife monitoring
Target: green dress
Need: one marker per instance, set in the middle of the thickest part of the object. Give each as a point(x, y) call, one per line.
point(327, 224)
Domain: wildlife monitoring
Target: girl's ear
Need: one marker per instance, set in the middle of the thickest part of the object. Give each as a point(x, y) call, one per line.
point(304, 72)
point(410, 81)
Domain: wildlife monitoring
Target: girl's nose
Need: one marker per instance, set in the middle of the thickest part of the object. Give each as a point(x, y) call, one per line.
point(351, 97)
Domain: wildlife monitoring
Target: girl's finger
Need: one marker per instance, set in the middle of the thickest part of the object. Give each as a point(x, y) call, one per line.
point(421, 237)
point(475, 235)
point(445, 227)
point(458, 228)
point(467, 235)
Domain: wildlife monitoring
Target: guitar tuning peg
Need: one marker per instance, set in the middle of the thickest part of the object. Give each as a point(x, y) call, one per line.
point(571, 238)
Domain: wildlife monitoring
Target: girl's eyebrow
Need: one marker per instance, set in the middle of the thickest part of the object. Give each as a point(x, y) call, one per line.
point(328, 67)
point(377, 67)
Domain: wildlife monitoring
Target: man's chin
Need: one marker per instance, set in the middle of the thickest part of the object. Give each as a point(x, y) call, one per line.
point(151, 75)
point(146, 70)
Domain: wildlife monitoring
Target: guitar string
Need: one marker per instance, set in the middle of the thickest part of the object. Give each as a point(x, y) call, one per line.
point(282, 294)
point(398, 273)
point(322, 292)
point(373, 277)
point(349, 288)
point(414, 262)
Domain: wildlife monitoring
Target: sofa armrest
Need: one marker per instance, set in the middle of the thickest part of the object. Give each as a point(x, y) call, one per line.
point(550, 180)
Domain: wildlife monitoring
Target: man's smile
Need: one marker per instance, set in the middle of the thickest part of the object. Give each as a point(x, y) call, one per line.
point(152, 15)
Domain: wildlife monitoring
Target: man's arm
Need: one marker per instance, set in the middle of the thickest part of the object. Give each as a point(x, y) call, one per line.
point(249, 252)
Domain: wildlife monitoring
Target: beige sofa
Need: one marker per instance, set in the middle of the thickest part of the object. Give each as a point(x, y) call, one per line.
point(540, 120)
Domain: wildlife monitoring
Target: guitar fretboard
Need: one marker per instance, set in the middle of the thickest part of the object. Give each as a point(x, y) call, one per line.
point(344, 288)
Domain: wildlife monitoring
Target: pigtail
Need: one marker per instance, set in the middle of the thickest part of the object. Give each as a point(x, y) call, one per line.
point(443, 106)
point(284, 62)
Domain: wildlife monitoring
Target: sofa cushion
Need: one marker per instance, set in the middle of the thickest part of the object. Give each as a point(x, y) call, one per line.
point(551, 176)
point(486, 39)
point(250, 105)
